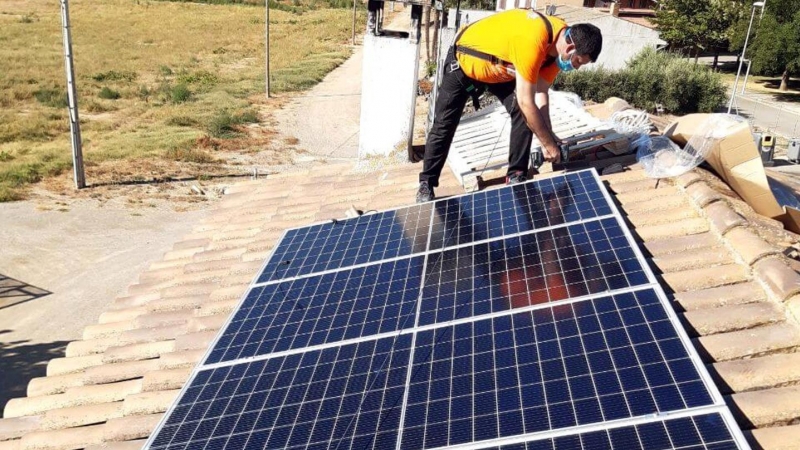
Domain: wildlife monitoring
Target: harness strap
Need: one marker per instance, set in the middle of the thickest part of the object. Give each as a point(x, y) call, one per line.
point(494, 59)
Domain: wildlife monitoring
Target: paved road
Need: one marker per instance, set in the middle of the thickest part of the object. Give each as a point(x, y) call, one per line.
point(770, 117)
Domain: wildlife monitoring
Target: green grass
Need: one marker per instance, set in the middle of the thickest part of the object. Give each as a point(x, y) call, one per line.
point(149, 88)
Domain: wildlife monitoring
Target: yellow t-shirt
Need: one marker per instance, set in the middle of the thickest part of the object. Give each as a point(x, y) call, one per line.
point(517, 36)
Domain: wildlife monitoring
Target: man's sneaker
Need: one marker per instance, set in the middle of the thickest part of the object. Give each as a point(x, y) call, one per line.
point(516, 178)
point(424, 193)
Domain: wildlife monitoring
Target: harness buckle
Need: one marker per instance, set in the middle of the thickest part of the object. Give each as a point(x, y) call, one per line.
point(454, 66)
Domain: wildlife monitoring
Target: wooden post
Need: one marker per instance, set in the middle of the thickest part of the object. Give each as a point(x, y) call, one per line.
point(354, 22)
point(72, 96)
point(266, 26)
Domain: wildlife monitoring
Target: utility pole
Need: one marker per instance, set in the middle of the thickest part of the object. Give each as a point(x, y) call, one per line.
point(266, 26)
point(354, 22)
point(72, 96)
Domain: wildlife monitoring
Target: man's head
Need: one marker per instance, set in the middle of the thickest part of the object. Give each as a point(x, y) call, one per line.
point(579, 45)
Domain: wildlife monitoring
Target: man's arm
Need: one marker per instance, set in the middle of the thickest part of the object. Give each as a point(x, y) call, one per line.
point(526, 99)
point(543, 101)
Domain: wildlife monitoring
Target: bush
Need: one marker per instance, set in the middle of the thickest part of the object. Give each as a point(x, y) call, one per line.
point(651, 77)
point(180, 93)
point(113, 75)
point(52, 97)
point(108, 93)
point(189, 154)
point(223, 125)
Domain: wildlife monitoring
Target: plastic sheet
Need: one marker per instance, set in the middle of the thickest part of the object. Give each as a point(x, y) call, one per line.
point(662, 158)
point(631, 121)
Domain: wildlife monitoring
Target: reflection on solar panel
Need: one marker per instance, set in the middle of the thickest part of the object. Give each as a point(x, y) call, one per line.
point(519, 318)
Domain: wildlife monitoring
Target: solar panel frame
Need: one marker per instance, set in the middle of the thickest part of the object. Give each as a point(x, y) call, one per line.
point(719, 405)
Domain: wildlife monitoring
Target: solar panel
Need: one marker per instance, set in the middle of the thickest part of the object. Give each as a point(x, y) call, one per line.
point(338, 397)
point(342, 243)
point(567, 262)
point(517, 209)
point(316, 310)
point(519, 318)
point(700, 432)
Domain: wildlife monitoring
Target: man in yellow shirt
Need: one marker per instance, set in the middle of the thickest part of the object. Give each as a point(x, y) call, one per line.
point(516, 55)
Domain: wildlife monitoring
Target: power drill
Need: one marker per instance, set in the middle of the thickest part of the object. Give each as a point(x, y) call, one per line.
point(538, 156)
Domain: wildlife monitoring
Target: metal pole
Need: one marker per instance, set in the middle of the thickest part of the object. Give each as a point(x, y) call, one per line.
point(72, 96)
point(266, 26)
point(741, 59)
point(746, 75)
point(354, 22)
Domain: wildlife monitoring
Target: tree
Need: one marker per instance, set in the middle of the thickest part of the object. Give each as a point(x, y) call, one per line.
point(698, 25)
point(775, 44)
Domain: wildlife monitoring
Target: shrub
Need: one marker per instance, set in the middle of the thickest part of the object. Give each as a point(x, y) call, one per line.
point(223, 125)
point(180, 93)
point(113, 75)
point(165, 70)
point(189, 154)
point(5, 156)
point(651, 77)
point(108, 93)
point(181, 121)
point(52, 97)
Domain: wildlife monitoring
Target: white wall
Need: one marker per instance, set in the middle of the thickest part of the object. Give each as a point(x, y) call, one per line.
point(622, 40)
point(388, 94)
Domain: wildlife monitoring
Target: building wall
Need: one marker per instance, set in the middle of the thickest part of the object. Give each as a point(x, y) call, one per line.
point(622, 40)
point(503, 5)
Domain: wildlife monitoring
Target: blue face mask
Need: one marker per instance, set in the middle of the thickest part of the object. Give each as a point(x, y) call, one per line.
point(566, 66)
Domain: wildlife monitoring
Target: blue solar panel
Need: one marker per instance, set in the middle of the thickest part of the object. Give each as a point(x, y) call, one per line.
point(342, 305)
point(343, 243)
point(343, 397)
point(516, 209)
point(580, 363)
point(533, 268)
point(702, 432)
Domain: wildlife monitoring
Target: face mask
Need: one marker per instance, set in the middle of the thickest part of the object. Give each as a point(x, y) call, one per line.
point(566, 66)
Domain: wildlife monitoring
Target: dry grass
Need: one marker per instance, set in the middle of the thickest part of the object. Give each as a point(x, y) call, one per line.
point(178, 67)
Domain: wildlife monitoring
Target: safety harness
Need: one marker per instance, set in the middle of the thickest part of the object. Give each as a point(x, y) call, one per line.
point(474, 91)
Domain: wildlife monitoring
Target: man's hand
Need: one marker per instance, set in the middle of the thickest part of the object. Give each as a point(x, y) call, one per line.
point(551, 154)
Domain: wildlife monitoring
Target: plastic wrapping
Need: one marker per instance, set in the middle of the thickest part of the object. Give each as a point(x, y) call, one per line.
point(662, 158)
point(571, 97)
point(631, 121)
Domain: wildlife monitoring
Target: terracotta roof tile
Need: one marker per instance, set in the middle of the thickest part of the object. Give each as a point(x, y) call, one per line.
point(11, 445)
point(131, 428)
point(703, 195)
point(189, 289)
point(55, 384)
point(619, 186)
point(677, 244)
point(704, 278)
point(149, 402)
point(688, 179)
point(680, 228)
point(180, 359)
point(125, 445)
point(16, 427)
point(734, 294)
point(109, 373)
point(776, 438)
point(749, 246)
point(144, 335)
point(723, 218)
point(753, 342)
point(655, 203)
point(165, 379)
point(135, 352)
point(666, 216)
point(207, 323)
point(133, 300)
point(211, 266)
point(228, 293)
point(194, 341)
point(776, 406)
point(176, 303)
point(694, 259)
point(182, 253)
point(757, 373)
point(218, 307)
point(212, 255)
point(120, 315)
point(164, 318)
point(732, 317)
point(163, 264)
point(68, 439)
point(156, 275)
point(780, 278)
point(62, 366)
point(78, 416)
point(76, 396)
point(190, 243)
point(108, 329)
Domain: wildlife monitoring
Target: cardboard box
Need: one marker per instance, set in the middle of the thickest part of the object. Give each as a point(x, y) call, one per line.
point(735, 158)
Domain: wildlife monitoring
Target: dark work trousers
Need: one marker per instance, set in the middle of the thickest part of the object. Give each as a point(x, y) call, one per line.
point(450, 101)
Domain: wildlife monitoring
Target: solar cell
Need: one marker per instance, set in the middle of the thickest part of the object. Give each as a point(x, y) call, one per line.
point(343, 243)
point(579, 363)
point(342, 397)
point(516, 209)
point(336, 306)
point(540, 267)
point(701, 432)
